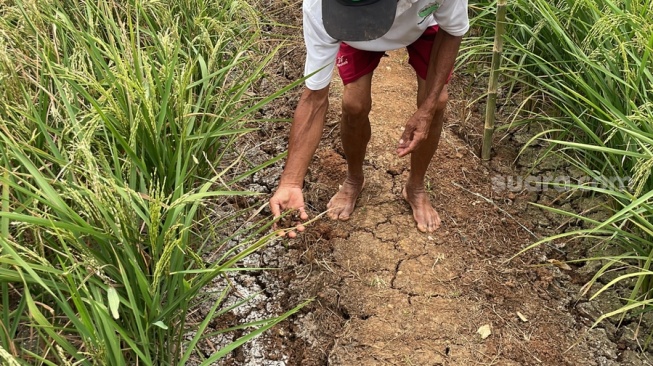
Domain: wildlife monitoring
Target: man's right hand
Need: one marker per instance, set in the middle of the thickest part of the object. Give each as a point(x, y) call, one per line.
point(289, 198)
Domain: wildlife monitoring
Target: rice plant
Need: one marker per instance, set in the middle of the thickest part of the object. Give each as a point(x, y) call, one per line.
point(116, 124)
point(588, 66)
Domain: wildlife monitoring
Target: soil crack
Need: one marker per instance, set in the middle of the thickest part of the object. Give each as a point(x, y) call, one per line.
point(397, 272)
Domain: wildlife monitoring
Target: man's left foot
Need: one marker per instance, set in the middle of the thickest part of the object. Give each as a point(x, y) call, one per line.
point(424, 214)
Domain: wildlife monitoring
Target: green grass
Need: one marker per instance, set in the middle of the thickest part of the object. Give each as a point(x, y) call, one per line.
point(584, 68)
point(118, 121)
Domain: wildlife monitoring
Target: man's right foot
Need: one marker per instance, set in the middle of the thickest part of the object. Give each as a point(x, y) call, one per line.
point(343, 202)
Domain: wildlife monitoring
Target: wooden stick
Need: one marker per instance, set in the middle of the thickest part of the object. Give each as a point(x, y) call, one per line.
point(494, 77)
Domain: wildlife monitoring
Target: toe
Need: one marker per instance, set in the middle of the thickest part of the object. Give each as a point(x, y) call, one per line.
point(432, 225)
point(334, 214)
point(436, 224)
point(421, 227)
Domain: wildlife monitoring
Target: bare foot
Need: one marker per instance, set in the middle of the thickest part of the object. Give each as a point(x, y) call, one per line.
point(343, 202)
point(425, 215)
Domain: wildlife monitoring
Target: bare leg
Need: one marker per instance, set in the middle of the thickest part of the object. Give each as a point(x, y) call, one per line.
point(415, 193)
point(355, 133)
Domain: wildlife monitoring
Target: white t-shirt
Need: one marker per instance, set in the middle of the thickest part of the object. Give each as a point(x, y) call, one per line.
point(412, 19)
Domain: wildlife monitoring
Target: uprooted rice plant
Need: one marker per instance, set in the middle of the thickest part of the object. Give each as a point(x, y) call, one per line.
point(117, 122)
point(585, 70)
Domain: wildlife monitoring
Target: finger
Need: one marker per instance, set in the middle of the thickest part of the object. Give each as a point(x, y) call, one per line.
point(302, 214)
point(417, 139)
point(403, 147)
point(407, 135)
point(405, 151)
point(415, 143)
point(405, 139)
point(275, 207)
point(403, 144)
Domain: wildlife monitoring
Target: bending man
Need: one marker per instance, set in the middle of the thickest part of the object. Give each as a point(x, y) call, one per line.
point(353, 35)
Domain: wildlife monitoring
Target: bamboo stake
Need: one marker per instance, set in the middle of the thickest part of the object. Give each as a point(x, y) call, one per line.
point(494, 76)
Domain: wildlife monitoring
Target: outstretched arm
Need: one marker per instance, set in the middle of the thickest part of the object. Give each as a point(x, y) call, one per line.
point(305, 134)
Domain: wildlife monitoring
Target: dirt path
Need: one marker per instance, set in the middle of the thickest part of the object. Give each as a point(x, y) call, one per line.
point(389, 295)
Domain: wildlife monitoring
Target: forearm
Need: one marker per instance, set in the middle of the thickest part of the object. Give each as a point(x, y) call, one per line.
point(443, 57)
point(305, 135)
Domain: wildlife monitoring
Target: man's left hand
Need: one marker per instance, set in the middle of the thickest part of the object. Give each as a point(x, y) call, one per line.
point(416, 131)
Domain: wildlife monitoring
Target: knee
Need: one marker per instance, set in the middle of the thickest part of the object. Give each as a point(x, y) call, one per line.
point(356, 107)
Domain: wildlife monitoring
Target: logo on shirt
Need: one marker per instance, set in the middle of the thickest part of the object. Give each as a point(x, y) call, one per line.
point(428, 10)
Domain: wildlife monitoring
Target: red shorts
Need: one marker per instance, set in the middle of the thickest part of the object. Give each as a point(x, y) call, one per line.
point(354, 63)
